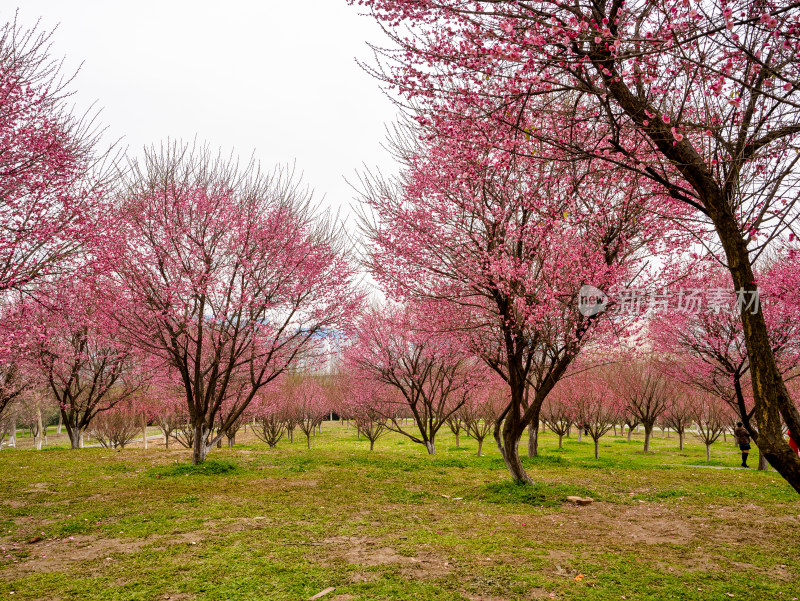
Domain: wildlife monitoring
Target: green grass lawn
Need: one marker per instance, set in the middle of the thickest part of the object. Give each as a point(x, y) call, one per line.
point(254, 523)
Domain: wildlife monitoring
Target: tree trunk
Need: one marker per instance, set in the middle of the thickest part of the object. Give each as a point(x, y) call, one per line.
point(773, 405)
point(431, 446)
point(580, 434)
point(708, 452)
point(762, 462)
point(12, 435)
point(509, 449)
point(166, 439)
point(38, 439)
point(648, 432)
point(372, 444)
point(630, 431)
point(200, 446)
point(458, 439)
point(597, 449)
point(75, 437)
point(480, 447)
point(308, 438)
point(533, 440)
point(560, 441)
point(680, 437)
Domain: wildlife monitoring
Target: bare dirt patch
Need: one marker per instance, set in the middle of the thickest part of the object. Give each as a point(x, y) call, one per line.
point(370, 552)
point(646, 523)
point(535, 593)
point(14, 504)
point(58, 555)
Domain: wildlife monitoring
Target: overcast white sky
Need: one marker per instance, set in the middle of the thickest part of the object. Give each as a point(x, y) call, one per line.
point(275, 77)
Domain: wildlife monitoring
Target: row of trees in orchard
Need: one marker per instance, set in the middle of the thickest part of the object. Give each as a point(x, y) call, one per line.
point(399, 380)
point(181, 271)
point(589, 404)
point(553, 145)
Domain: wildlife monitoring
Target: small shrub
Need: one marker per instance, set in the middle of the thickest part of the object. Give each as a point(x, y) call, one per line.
point(115, 428)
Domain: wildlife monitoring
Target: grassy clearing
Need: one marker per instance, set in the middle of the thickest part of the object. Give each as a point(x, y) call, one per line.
point(254, 523)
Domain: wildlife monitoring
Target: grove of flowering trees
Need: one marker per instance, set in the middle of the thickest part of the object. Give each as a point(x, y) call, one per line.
point(697, 100)
point(552, 157)
point(497, 245)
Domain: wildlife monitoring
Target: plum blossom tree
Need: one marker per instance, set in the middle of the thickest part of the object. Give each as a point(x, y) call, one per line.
point(270, 428)
point(700, 98)
point(427, 376)
point(363, 397)
point(646, 391)
point(480, 412)
point(308, 402)
point(269, 408)
point(50, 184)
point(167, 407)
point(679, 412)
point(77, 353)
point(595, 403)
point(711, 415)
point(558, 413)
point(227, 275)
point(118, 426)
point(498, 246)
